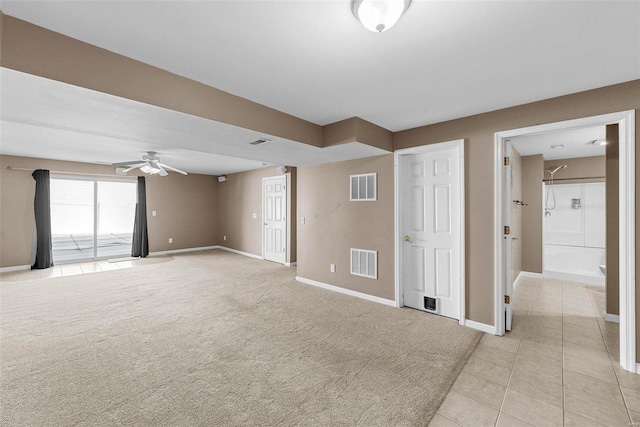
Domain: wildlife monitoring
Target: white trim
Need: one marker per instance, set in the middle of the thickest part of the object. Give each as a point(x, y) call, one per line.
point(627, 241)
point(235, 251)
point(627, 200)
point(498, 224)
point(178, 251)
point(480, 326)
point(575, 277)
point(459, 144)
point(14, 268)
point(290, 264)
point(615, 318)
point(346, 291)
point(524, 274)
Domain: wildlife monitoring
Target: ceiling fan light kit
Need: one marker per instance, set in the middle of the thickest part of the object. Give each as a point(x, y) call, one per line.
point(150, 164)
point(379, 15)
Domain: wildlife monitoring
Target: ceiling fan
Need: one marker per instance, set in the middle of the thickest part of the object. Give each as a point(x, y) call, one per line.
point(150, 164)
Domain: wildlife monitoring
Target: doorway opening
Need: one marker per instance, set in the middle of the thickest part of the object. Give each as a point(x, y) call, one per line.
point(274, 211)
point(625, 122)
point(91, 219)
point(429, 218)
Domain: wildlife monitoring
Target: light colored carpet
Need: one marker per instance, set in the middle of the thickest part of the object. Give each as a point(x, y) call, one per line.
point(214, 338)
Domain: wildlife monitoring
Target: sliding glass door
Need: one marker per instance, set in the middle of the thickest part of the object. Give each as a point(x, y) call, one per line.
point(91, 218)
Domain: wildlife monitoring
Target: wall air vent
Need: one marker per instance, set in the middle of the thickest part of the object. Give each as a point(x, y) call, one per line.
point(259, 141)
point(363, 187)
point(364, 263)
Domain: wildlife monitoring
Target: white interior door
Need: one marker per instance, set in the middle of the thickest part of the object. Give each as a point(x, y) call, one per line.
point(274, 208)
point(431, 216)
point(508, 237)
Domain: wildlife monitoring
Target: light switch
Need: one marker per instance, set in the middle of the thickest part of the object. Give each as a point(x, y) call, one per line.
point(153, 213)
point(255, 215)
point(302, 220)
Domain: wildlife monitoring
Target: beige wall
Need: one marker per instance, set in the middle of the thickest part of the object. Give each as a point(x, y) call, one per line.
point(239, 197)
point(479, 132)
point(516, 227)
point(532, 175)
point(593, 167)
point(185, 205)
point(333, 224)
point(612, 214)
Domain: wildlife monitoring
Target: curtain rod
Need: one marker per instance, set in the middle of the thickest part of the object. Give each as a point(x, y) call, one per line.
point(573, 179)
point(11, 168)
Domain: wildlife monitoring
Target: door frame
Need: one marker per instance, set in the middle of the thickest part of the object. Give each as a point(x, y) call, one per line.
point(286, 217)
point(626, 122)
point(398, 214)
point(94, 180)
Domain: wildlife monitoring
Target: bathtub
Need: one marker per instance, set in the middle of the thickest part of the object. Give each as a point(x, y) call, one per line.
point(575, 263)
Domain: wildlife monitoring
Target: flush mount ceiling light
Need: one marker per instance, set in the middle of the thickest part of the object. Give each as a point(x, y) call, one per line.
point(379, 15)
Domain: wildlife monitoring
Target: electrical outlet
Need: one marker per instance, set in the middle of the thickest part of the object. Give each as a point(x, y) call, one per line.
point(170, 239)
point(153, 213)
point(224, 238)
point(255, 215)
point(333, 268)
point(302, 220)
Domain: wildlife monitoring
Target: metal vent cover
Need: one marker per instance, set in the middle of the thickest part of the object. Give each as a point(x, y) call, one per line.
point(364, 263)
point(259, 141)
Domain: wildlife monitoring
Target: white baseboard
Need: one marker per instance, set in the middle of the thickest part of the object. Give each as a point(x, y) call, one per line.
point(347, 291)
point(235, 251)
point(290, 264)
point(524, 274)
point(178, 251)
point(480, 326)
point(14, 268)
point(572, 277)
point(615, 318)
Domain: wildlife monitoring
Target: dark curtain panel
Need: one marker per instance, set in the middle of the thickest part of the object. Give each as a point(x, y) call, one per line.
point(42, 210)
point(140, 244)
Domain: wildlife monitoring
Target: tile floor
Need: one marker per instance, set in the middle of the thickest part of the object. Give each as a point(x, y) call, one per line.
point(65, 270)
point(559, 366)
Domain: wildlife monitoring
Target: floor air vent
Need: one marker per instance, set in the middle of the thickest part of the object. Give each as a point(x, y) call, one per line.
point(259, 141)
point(364, 263)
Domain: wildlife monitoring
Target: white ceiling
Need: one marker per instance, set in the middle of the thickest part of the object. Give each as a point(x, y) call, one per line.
point(312, 59)
point(47, 119)
point(575, 142)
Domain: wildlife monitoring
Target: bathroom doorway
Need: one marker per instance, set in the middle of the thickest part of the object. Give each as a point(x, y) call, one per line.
point(573, 231)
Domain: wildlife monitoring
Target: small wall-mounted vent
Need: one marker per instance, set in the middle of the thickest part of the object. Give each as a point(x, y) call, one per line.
point(363, 187)
point(364, 263)
point(259, 141)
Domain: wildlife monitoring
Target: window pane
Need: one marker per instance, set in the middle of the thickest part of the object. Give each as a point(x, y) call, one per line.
point(116, 211)
point(71, 219)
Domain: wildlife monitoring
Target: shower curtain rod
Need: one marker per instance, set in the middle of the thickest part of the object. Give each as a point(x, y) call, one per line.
point(573, 179)
point(11, 168)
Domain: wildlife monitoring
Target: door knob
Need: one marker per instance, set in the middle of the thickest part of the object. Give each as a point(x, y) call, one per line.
point(408, 239)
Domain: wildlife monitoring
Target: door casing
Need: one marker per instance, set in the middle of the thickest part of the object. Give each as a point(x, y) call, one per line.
point(399, 242)
point(627, 197)
point(286, 218)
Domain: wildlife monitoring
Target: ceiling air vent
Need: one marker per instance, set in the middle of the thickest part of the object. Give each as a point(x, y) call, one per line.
point(259, 141)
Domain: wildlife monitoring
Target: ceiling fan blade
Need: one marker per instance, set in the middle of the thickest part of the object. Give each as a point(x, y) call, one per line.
point(158, 168)
point(171, 168)
point(133, 167)
point(131, 163)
